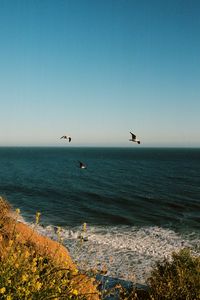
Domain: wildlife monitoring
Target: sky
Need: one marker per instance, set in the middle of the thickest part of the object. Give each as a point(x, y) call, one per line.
point(96, 70)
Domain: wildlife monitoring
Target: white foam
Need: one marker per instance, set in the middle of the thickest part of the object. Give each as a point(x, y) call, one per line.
point(127, 252)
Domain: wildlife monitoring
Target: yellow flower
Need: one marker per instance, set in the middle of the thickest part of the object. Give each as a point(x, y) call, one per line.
point(38, 286)
point(34, 269)
point(8, 297)
point(75, 292)
point(27, 254)
point(38, 214)
point(18, 211)
point(74, 272)
point(84, 227)
point(10, 242)
point(17, 235)
point(34, 262)
point(2, 290)
point(24, 277)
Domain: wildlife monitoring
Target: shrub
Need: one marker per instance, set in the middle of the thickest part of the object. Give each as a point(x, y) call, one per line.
point(26, 275)
point(178, 279)
point(24, 272)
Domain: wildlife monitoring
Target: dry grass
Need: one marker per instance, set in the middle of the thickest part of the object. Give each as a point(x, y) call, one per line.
point(35, 267)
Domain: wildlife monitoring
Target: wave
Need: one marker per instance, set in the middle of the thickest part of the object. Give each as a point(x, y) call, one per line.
point(127, 252)
point(32, 191)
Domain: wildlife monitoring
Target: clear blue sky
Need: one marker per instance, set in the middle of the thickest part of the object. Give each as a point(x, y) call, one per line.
point(96, 69)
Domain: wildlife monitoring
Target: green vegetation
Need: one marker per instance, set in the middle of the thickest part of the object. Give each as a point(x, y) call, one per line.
point(178, 279)
point(175, 279)
point(28, 274)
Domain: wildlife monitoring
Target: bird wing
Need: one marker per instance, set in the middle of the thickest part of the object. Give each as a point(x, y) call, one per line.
point(82, 164)
point(133, 135)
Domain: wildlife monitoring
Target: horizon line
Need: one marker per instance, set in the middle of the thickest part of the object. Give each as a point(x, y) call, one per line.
point(125, 147)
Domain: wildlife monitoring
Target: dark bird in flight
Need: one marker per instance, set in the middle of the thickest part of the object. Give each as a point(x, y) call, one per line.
point(66, 137)
point(82, 165)
point(134, 138)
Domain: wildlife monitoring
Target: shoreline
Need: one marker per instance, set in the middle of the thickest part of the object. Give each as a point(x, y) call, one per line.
point(28, 234)
point(143, 247)
point(97, 282)
point(112, 246)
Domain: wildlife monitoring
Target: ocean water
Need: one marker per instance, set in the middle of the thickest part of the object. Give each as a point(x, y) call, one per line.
point(140, 204)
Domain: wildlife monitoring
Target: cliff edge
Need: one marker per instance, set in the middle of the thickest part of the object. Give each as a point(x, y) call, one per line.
point(28, 237)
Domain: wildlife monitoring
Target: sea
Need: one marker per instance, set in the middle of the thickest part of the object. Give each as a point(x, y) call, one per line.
point(128, 209)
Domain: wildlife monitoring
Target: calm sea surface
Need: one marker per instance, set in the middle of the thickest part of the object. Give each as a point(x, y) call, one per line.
point(139, 204)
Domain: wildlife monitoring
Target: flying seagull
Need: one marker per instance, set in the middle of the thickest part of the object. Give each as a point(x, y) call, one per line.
point(133, 138)
point(82, 165)
point(66, 137)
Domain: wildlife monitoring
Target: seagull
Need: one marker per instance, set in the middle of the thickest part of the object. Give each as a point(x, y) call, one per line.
point(133, 138)
point(82, 165)
point(66, 137)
